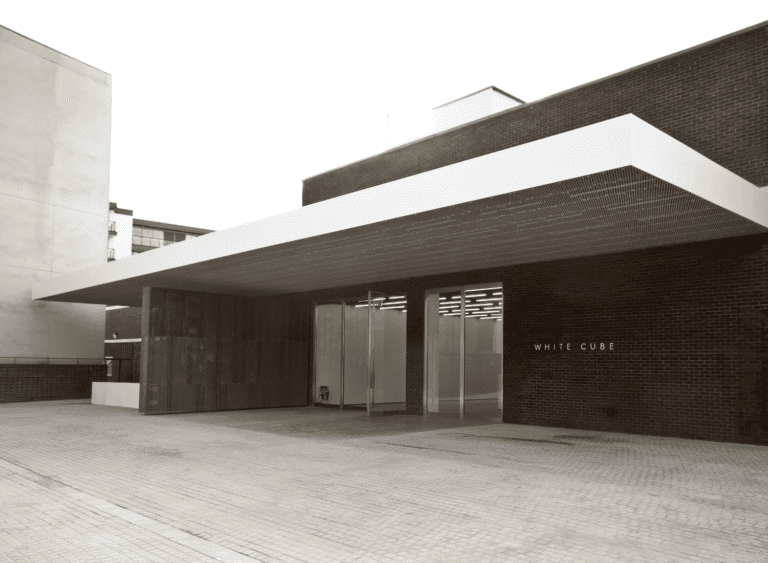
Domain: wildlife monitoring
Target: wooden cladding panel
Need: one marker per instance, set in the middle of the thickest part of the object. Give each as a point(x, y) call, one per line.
point(218, 352)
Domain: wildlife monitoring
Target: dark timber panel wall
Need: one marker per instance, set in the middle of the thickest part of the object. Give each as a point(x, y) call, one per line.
point(206, 352)
point(712, 98)
point(690, 329)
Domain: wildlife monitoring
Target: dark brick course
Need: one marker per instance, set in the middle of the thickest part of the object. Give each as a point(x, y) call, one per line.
point(19, 383)
point(712, 98)
point(689, 326)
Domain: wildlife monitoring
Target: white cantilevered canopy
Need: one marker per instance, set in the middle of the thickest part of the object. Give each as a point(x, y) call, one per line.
point(614, 186)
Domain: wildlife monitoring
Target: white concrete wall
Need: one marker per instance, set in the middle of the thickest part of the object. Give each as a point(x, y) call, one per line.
point(500, 102)
point(55, 116)
point(464, 110)
point(115, 394)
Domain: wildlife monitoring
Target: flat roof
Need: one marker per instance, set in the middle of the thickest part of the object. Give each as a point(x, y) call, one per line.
point(113, 207)
point(170, 226)
point(41, 50)
point(614, 186)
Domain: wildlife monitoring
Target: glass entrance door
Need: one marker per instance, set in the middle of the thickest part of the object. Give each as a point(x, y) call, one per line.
point(483, 351)
point(329, 355)
point(360, 353)
point(387, 329)
point(464, 351)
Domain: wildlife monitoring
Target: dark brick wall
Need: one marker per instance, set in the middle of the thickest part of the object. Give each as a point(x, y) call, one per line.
point(414, 350)
point(125, 322)
point(712, 98)
point(20, 383)
point(689, 327)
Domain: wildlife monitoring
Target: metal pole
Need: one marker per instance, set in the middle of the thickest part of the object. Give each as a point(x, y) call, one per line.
point(501, 375)
point(369, 402)
point(427, 350)
point(462, 325)
point(314, 357)
point(341, 374)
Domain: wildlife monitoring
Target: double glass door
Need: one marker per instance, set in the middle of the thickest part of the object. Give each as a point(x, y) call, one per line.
point(360, 353)
point(464, 350)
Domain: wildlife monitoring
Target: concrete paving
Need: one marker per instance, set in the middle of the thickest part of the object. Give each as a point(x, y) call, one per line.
point(86, 483)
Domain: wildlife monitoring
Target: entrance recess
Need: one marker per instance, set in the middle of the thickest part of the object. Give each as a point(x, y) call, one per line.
point(360, 353)
point(464, 350)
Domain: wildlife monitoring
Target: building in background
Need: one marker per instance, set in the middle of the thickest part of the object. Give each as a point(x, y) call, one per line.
point(128, 236)
point(55, 121)
point(120, 229)
point(147, 235)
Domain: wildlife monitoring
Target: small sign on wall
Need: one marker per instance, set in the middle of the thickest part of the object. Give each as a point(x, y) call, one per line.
point(574, 346)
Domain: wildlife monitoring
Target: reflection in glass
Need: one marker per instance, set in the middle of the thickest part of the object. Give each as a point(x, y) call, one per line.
point(328, 352)
point(482, 366)
point(444, 352)
point(342, 353)
point(355, 356)
point(389, 344)
point(464, 353)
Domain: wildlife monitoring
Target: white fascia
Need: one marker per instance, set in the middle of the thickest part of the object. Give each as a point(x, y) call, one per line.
point(615, 143)
point(672, 161)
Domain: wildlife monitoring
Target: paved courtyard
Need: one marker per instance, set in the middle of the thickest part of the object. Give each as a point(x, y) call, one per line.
point(85, 483)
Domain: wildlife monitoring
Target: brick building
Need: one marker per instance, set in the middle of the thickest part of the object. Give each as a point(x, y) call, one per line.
point(596, 259)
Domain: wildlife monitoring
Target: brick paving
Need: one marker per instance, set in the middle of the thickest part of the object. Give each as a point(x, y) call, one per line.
point(86, 483)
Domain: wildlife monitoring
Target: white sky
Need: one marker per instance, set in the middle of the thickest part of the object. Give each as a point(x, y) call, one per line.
point(220, 109)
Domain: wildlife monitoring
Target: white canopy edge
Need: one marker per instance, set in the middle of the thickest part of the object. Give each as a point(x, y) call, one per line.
point(615, 143)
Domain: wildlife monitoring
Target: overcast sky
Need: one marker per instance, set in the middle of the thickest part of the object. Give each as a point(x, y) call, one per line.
point(221, 109)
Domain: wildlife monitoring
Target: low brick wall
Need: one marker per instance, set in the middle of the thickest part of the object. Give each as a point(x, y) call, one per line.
point(19, 383)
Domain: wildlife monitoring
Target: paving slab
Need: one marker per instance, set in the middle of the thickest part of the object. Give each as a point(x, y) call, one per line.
point(81, 482)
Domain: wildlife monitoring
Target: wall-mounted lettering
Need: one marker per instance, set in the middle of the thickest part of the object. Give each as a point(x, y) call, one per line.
point(568, 346)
